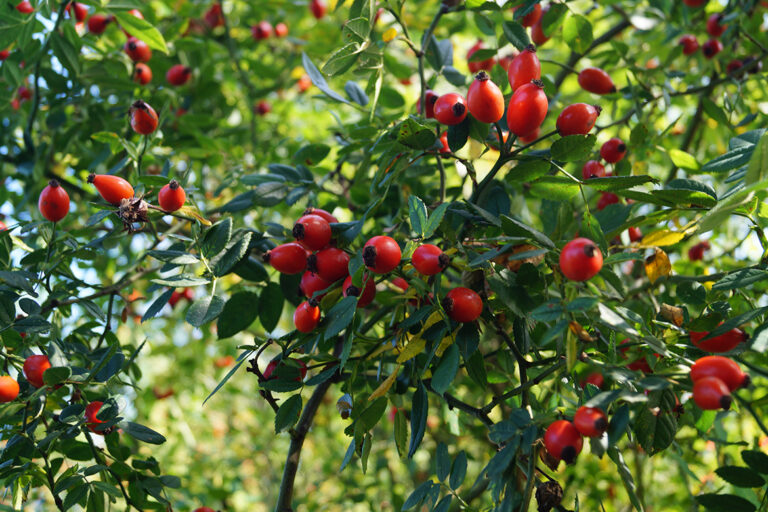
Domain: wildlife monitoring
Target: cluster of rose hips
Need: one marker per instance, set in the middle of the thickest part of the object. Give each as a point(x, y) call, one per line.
point(713, 46)
point(54, 200)
point(33, 369)
point(563, 438)
point(322, 264)
point(714, 378)
point(528, 106)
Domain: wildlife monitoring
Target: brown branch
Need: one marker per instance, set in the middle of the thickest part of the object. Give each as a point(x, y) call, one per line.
point(523, 387)
point(454, 402)
point(285, 498)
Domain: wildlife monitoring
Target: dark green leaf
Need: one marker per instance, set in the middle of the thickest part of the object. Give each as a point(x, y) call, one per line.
point(516, 34)
point(142, 433)
point(725, 503)
point(740, 476)
point(204, 310)
point(239, 312)
point(270, 306)
point(419, 411)
point(288, 413)
point(340, 316)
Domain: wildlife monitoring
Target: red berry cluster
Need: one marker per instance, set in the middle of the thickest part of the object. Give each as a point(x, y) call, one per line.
point(322, 264)
point(714, 378)
point(563, 438)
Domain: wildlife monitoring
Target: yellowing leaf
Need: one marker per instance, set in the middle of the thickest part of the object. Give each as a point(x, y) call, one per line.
point(672, 313)
point(579, 331)
point(414, 348)
point(389, 35)
point(657, 265)
point(190, 213)
point(417, 343)
point(384, 386)
point(444, 344)
point(661, 238)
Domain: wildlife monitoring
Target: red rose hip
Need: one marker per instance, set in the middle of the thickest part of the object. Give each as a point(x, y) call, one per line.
point(613, 150)
point(53, 202)
point(485, 100)
point(313, 231)
point(171, 197)
point(429, 259)
point(381, 254)
point(563, 441)
point(596, 81)
point(580, 259)
point(288, 258)
point(577, 119)
point(463, 305)
point(524, 68)
point(590, 421)
point(450, 109)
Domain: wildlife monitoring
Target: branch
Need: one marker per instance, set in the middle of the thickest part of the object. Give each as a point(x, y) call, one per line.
point(523, 387)
point(114, 288)
point(452, 402)
point(285, 498)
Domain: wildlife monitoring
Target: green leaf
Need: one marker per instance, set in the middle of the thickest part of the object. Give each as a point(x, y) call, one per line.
point(235, 251)
point(740, 476)
point(577, 32)
point(419, 410)
point(311, 154)
point(372, 414)
point(442, 462)
point(757, 170)
point(446, 370)
point(715, 112)
point(514, 227)
point(270, 306)
point(731, 160)
point(56, 375)
point(656, 424)
point(415, 135)
point(626, 477)
point(288, 413)
point(528, 169)
point(756, 460)
point(204, 310)
point(615, 183)
point(157, 305)
point(555, 188)
point(573, 148)
point(340, 316)
point(458, 470)
point(318, 80)
point(217, 237)
point(417, 212)
point(239, 312)
point(725, 503)
point(684, 160)
point(141, 29)
point(741, 279)
point(66, 53)
point(435, 219)
point(142, 433)
point(458, 134)
point(401, 432)
point(553, 18)
point(516, 34)
point(243, 358)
